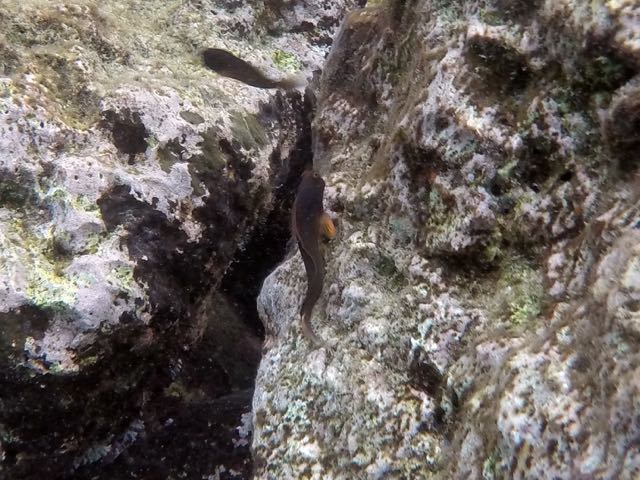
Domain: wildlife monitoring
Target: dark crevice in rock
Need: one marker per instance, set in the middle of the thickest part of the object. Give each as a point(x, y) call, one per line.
point(467, 264)
point(18, 324)
point(519, 10)
point(209, 424)
point(267, 245)
point(597, 69)
point(16, 188)
point(159, 398)
point(399, 8)
point(566, 176)
point(192, 401)
point(202, 353)
point(423, 374)
point(184, 380)
point(422, 165)
point(622, 128)
point(128, 133)
point(98, 402)
point(500, 67)
point(535, 164)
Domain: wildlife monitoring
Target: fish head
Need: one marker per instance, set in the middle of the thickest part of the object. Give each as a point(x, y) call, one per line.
point(217, 59)
point(312, 184)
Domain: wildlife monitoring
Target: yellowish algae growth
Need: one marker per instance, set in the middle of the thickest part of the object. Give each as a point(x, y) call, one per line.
point(490, 464)
point(93, 242)
point(286, 61)
point(122, 277)
point(68, 200)
point(46, 285)
point(84, 49)
point(518, 293)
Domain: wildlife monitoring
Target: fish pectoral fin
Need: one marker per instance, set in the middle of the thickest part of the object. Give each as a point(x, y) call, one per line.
point(327, 228)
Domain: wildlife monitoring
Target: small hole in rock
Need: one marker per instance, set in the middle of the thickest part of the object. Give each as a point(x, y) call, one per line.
point(566, 176)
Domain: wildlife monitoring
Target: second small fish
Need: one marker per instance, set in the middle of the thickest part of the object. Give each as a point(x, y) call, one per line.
point(309, 223)
point(227, 64)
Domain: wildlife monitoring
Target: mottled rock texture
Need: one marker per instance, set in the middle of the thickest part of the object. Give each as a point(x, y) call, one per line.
point(482, 298)
point(130, 178)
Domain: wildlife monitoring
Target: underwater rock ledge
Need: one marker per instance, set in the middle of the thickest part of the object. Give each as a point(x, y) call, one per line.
point(482, 297)
point(130, 178)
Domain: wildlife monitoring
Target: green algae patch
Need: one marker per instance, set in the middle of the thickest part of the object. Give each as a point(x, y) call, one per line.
point(286, 61)
point(447, 10)
point(122, 278)
point(490, 467)
point(518, 294)
point(206, 165)
point(193, 118)
point(48, 286)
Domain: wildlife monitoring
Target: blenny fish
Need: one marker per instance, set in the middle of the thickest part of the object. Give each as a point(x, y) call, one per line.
point(227, 64)
point(309, 223)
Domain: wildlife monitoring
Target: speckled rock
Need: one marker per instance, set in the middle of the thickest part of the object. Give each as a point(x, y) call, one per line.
point(481, 297)
point(130, 175)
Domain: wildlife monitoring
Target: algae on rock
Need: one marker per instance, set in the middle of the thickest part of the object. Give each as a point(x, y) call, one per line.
point(130, 175)
point(474, 149)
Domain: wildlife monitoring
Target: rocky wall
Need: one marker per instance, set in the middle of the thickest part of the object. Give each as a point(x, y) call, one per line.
point(481, 301)
point(131, 177)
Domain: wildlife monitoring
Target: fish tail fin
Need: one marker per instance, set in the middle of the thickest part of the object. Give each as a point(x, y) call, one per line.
point(309, 334)
point(294, 81)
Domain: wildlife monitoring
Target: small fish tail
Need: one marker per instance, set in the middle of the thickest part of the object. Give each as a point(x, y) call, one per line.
point(295, 81)
point(308, 332)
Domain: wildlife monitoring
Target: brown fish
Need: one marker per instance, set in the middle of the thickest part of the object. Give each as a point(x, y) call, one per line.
point(227, 64)
point(309, 221)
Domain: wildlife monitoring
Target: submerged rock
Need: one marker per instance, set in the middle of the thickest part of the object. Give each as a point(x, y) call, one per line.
point(481, 298)
point(130, 176)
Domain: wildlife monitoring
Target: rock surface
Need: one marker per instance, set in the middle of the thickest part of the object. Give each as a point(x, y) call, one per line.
point(482, 298)
point(130, 176)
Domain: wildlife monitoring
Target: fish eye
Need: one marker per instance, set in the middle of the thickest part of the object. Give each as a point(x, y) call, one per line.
point(315, 175)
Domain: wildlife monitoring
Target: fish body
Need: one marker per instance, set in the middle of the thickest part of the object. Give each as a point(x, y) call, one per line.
point(309, 223)
point(227, 64)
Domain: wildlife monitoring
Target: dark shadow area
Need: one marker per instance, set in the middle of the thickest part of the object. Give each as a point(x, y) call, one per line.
point(128, 133)
point(267, 246)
